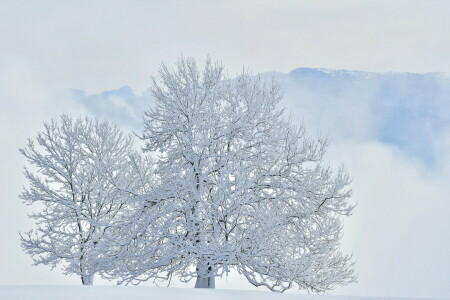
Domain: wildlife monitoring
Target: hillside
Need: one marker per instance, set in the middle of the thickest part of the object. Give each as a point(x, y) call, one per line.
point(141, 293)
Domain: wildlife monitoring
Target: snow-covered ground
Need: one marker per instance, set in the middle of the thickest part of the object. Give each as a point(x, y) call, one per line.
point(138, 293)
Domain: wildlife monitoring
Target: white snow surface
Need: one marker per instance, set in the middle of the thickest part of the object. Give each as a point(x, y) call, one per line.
point(141, 292)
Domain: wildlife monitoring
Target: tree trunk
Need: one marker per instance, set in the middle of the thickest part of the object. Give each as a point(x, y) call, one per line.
point(205, 282)
point(87, 280)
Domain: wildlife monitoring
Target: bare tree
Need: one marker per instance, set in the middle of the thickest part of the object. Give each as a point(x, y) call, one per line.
point(85, 173)
point(237, 186)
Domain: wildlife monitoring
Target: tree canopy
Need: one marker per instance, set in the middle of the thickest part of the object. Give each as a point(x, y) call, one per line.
point(83, 173)
point(236, 186)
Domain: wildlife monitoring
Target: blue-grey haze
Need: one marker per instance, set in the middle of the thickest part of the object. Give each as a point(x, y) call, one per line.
point(406, 110)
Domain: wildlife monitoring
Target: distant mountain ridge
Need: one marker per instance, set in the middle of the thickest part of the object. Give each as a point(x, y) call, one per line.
point(405, 110)
point(354, 73)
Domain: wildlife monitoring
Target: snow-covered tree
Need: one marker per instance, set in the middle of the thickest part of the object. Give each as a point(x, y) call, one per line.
point(236, 186)
point(83, 173)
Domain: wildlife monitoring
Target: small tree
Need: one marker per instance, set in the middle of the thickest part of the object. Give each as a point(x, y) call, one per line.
point(237, 186)
point(85, 174)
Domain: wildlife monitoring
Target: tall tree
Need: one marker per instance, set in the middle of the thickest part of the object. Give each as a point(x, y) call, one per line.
point(237, 186)
point(83, 173)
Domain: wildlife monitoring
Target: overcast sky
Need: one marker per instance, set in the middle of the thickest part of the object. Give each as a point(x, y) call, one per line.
point(399, 232)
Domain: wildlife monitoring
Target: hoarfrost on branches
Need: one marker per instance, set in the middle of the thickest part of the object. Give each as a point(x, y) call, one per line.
point(236, 186)
point(85, 173)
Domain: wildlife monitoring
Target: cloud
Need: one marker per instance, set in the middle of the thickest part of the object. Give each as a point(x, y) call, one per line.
point(397, 232)
point(122, 106)
point(404, 110)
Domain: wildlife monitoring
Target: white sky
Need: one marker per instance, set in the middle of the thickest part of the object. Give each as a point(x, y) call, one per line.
point(99, 47)
point(48, 46)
